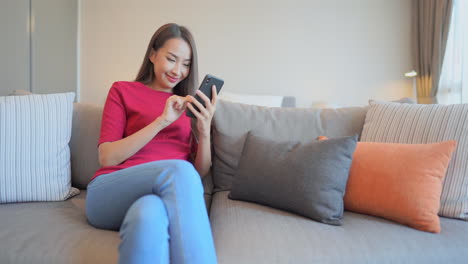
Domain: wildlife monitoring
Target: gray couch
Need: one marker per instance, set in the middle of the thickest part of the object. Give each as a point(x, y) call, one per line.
point(57, 232)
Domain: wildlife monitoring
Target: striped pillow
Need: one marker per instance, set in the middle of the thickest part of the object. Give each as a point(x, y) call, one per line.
point(418, 124)
point(34, 153)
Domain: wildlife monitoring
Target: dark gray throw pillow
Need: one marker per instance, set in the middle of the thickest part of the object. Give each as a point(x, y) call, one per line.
point(307, 179)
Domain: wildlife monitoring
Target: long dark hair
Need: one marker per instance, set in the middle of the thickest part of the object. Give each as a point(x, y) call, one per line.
point(169, 31)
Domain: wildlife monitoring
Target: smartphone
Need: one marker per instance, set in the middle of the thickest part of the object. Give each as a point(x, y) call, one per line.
point(205, 87)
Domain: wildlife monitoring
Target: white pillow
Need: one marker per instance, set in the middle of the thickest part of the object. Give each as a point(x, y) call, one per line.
point(250, 99)
point(34, 152)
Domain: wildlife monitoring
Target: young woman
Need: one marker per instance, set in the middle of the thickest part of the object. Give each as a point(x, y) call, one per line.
point(149, 185)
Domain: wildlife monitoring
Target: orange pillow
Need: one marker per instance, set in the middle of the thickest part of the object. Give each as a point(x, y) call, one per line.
point(399, 182)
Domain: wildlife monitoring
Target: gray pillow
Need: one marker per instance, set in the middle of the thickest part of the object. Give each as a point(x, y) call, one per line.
point(232, 122)
point(307, 179)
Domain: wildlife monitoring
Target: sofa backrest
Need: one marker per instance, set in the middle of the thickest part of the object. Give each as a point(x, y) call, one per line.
point(85, 135)
point(83, 144)
point(233, 121)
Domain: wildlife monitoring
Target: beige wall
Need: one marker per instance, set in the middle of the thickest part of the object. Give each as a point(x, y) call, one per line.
point(341, 52)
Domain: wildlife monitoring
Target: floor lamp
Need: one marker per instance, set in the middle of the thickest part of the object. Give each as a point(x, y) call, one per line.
point(412, 74)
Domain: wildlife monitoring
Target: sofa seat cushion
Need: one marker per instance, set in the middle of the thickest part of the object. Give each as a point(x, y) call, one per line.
point(53, 232)
point(250, 233)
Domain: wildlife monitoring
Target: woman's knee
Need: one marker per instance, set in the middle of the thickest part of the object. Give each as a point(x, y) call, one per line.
point(95, 216)
point(185, 173)
point(146, 210)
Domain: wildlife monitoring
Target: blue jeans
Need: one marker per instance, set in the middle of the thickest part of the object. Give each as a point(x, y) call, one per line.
point(159, 209)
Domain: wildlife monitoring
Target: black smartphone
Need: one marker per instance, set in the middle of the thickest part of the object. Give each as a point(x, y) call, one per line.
point(205, 87)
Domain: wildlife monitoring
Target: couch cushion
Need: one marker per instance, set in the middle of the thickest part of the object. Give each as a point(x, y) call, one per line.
point(250, 233)
point(53, 232)
point(232, 122)
point(84, 141)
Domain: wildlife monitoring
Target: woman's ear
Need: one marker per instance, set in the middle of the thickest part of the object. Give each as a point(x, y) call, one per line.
point(152, 56)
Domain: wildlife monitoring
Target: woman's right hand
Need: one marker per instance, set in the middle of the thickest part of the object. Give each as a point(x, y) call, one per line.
point(175, 107)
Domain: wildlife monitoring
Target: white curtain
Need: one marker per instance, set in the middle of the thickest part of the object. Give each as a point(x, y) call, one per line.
point(453, 85)
point(464, 8)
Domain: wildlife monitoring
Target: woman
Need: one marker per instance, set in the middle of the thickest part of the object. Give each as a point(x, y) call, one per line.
point(146, 186)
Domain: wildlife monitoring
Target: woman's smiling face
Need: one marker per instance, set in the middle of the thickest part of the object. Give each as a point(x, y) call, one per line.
point(171, 64)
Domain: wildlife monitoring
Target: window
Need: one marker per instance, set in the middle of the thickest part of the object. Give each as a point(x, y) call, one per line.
point(453, 85)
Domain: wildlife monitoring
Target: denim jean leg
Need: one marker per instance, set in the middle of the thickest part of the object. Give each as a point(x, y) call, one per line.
point(145, 233)
point(178, 185)
point(181, 190)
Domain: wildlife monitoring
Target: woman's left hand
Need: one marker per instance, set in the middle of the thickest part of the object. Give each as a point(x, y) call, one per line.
point(205, 114)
